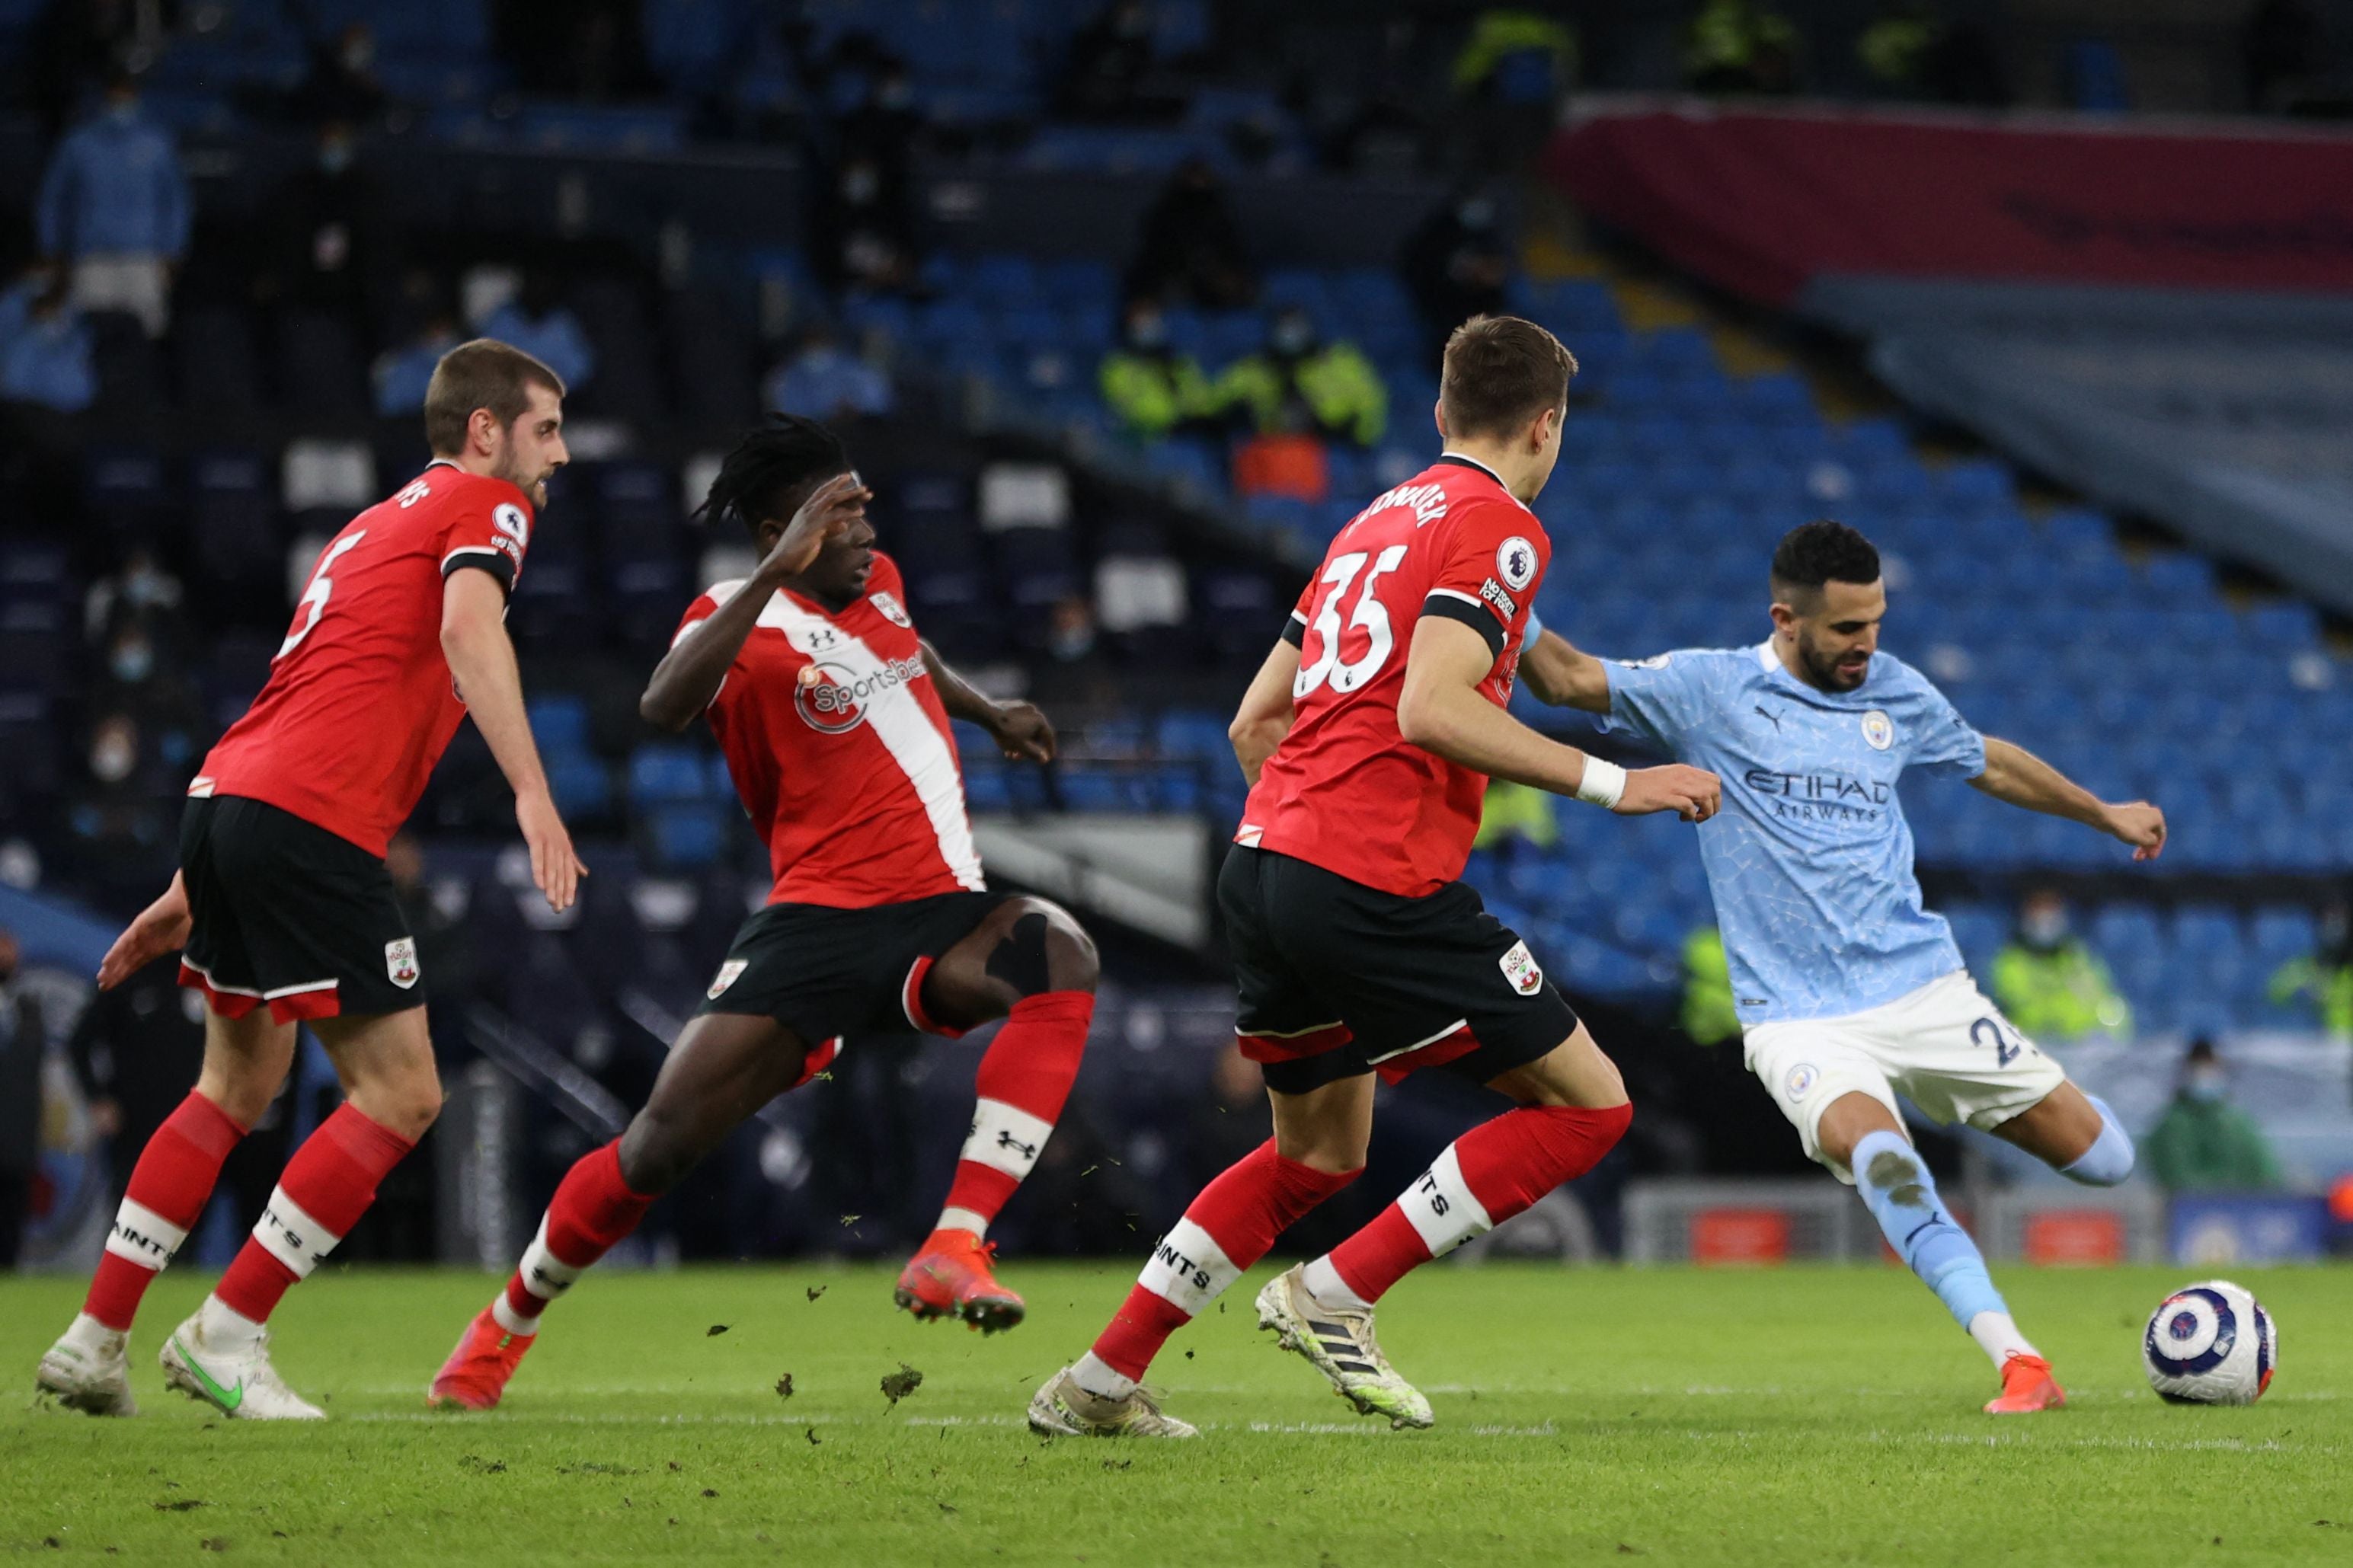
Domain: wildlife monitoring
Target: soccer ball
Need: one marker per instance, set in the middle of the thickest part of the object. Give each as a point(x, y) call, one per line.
point(2211, 1343)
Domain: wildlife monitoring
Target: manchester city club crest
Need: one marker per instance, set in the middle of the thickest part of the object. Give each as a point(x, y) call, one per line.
point(1878, 729)
point(1801, 1080)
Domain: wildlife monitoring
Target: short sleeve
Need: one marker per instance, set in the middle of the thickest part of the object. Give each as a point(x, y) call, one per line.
point(1947, 745)
point(1495, 561)
point(1662, 698)
point(488, 534)
point(1295, 630)
point(696, 614)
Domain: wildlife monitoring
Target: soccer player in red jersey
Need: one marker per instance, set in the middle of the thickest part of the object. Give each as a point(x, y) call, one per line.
point(282, 905)
point(1369, 735)
point(834, 716)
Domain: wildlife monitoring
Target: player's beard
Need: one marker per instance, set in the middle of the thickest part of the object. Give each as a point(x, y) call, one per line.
point(1824, 671)
point(532, 485)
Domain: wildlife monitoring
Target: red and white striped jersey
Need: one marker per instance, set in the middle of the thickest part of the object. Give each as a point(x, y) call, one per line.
point(853, 779)
point(360, 703)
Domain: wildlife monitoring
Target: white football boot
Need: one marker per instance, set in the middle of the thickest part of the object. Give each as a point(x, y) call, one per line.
point(1340, 1344)
point(237, 1381)
point(1062, 1409)
point(89, 1370)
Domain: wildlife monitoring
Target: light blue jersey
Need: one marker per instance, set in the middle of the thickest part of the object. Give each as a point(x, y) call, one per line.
point(1810, 860)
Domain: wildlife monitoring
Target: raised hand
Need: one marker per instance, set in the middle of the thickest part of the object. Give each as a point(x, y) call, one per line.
point(835, 504)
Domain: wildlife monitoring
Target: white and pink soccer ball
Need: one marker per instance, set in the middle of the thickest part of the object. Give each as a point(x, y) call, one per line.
point(2211, 1343)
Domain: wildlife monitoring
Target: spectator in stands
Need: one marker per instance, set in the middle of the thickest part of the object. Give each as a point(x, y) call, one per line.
point(1299, 382)
point(2203, 1143)
point(1151, 389)
point(401, 374)
point(149, 689)
point(886, 125)
point(122, 833)
point(1911, 51)
point(1189, 248)
point(140, 592)
point(343, 85)
point(114, 210)
point(22, 1045)
point(869, 243)
point(326, 217)
point(75, 45)
point(2323, 976)
point(1108, 61)
point(1737, 46)
point(1074, 674)
point(45, 346)
point(824, 381)
point(1511, 70)
point(1708, 1015)
point(541, 325)
point(1455, 264)
point(2050, 983)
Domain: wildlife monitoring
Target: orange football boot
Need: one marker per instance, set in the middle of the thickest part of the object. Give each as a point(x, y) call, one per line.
point(2027, 1386)
point(951, 1277)
point(476, 1374)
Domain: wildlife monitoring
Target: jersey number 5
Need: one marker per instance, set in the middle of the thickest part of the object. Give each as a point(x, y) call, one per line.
point(315, 597)
point(1370, 613)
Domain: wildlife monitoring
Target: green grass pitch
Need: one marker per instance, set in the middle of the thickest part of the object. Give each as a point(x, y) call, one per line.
point(1802, 1416)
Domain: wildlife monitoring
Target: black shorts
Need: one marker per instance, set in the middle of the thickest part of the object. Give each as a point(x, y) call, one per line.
point(1338, 979)
point(284, 913)
point(825, 972)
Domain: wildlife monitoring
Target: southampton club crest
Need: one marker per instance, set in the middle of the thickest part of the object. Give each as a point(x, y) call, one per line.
point(400, 961)
point(892, 611)
point(729, 972)
point(1878, 729)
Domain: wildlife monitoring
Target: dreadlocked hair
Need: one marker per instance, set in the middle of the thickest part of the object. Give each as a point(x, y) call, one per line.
point(784, 454)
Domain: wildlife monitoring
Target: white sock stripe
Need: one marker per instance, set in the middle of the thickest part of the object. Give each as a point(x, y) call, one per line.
point(545, 1275)
point(1441, 1209)
point(292, 1236)
point(1189, 1269)
point(1005, 1138)
point(144, 1237)
point(513, 1322)
point(952, 1219)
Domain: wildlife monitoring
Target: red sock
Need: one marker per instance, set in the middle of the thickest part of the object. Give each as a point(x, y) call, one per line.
point(1024, 1079)
point(1481, 1179)
point(1228, 1227)
point(327, 1186)
point(592, 1209)
point(168, 1190)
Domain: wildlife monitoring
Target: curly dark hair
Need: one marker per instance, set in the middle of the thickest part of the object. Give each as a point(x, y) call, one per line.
point(771, 470)
point(1819, 551)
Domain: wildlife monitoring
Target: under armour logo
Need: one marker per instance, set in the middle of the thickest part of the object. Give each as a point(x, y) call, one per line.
point(1773, 719)
point(1007, 1141)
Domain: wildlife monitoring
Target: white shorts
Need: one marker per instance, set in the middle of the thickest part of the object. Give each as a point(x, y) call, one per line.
point(1945, 1048)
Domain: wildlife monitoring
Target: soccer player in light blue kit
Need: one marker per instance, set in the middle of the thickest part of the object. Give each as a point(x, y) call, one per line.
point(1850, 992)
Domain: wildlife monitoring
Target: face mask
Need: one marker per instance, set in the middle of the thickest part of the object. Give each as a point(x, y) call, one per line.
point(123, 113)
point(335, 157)
point(860, 185)
point(1293, 338)
point(143, 585)
point(2206, 1084)
point(358, 56)
point(1478, 214)
point(1072, 642)
point(133, 662)
point(1148, 333)
point(2044, 930)
point(110, 760)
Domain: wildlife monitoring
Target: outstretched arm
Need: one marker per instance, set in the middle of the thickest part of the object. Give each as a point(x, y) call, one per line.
point(1562, 677)
point(1264, 717)
point(1019, 728)
point(1442, 711)
point(2017, 775)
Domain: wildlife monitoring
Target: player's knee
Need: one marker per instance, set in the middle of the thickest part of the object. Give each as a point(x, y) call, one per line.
point(2109, 1160)
point(1072, 963)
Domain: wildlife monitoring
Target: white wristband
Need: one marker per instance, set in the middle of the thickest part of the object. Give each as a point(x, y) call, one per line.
point(1604, 784)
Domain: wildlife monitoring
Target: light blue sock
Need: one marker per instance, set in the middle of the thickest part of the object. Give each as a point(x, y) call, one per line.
point(1894, 1183)
point(2109, 1160)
